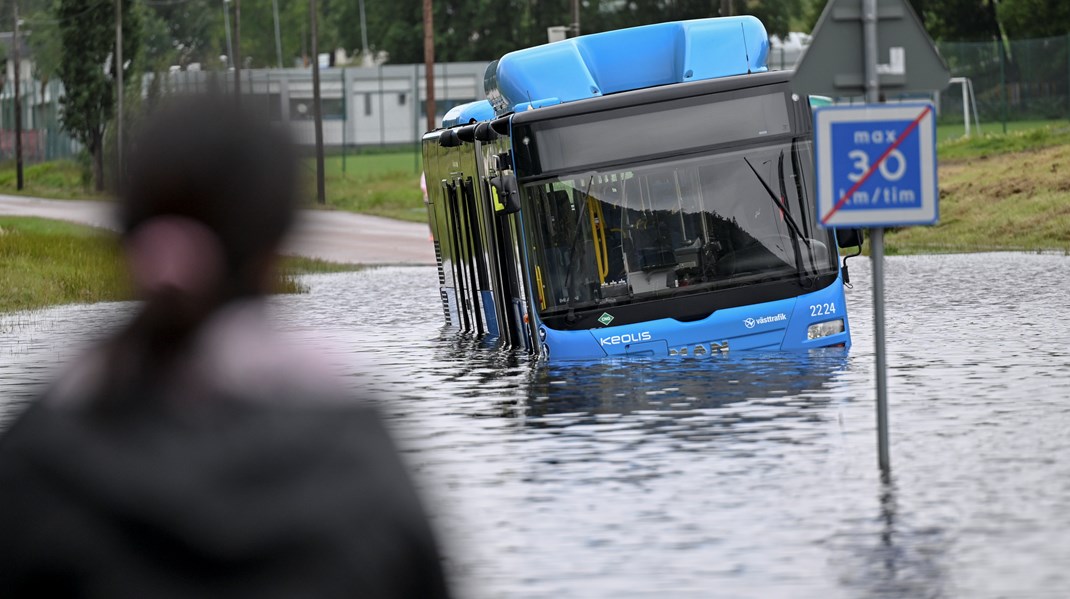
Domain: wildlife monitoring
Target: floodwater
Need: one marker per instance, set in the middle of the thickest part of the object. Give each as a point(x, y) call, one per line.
point(748, 475)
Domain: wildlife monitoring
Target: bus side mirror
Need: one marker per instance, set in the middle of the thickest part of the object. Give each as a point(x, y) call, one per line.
point(505, 193)
point(847, 238)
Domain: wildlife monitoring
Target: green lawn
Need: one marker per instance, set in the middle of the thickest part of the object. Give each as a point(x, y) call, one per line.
point(382, 183)
point(60, 179)
point(46, 262)
point(950, 131)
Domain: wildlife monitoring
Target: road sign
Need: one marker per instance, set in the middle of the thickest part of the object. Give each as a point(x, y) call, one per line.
point(833, 64)
point(876, 165)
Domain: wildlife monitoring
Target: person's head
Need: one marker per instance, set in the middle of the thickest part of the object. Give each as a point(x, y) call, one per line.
point(210, 192)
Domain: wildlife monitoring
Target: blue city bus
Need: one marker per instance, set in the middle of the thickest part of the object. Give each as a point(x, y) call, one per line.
point(646, 191)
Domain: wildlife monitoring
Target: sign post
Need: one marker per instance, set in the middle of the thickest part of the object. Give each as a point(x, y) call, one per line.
point(876, 164)
point(876, 167)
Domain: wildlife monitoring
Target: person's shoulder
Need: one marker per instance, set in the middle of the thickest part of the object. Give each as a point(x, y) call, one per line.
point(241, 353)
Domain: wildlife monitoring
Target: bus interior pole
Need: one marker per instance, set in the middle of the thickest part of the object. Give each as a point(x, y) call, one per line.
point(869, 34)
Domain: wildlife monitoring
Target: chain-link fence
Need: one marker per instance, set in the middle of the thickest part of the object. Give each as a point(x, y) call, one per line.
point(384, 106)
point(362, 108)
point(1019, 80)
point(43, 137)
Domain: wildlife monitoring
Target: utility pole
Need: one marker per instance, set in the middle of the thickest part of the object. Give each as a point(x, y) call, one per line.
point(119, 92)
point(321, 194)
point(726, 8)
point(575, 18)
point(429, 65)
point(364, 39)
point(278, 36)
point(226, 28)
point(237, 50)
point(18, 104)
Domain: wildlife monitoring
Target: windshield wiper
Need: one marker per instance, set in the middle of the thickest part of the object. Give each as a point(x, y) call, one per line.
point(788, 218)
point(796, 232)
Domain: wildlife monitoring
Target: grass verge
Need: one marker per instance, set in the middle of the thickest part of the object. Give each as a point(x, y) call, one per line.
point(45, 263)
point(998, 192)
point(60, 180)
point(383, 184)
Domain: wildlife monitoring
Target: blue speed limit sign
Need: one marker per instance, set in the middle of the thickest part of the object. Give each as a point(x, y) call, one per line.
point(876, 165)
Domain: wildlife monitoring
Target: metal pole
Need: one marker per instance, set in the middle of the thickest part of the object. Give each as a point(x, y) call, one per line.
point(1003, 85)
point(119, 92)
point(278, 36)
point(345, 121)
point(869, 33)
point(18, 104)
point(226, 27)
point(237, 50)
point(966, 105)
point(575, 18)
point(321, 195)
point(416, 117)
point(877, 255)
point(429, 63)
point(363, 38)
point(869, 36)
point(382, 121)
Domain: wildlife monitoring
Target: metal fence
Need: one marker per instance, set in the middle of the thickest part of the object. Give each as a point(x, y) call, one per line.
point(1020, 80)
point(43, 137)
point(362, 108)
point(384, 106)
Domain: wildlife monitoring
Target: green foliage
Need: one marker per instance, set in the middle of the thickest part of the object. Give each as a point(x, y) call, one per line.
point(1034, 18)
point(959, 20)
point(42, 35)
point(87, 36)
point(470, 30)
point(180, 33)
point(62, 179)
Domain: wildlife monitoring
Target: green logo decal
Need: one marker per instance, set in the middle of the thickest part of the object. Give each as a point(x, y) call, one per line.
point(605, 318)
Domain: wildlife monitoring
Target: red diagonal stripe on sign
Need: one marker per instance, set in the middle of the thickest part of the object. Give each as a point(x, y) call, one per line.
point(902, 136)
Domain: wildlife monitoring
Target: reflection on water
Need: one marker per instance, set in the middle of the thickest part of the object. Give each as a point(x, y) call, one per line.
point(746, 475)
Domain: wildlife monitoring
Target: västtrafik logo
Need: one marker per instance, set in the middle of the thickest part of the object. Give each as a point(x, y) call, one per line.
point(750, 323)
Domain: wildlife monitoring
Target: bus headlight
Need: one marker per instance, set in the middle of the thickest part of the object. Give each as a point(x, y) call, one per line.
point(824, 329)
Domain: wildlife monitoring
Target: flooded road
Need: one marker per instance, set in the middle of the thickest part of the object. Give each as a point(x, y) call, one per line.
point(747, 475)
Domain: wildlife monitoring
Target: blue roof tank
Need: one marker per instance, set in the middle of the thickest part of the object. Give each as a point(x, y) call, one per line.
point(464, 114)
point(604, 63)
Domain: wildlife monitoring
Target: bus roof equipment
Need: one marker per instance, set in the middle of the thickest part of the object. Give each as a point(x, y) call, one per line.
point(627, 59)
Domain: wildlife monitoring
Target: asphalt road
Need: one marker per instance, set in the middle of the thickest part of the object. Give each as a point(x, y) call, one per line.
point(335, 236)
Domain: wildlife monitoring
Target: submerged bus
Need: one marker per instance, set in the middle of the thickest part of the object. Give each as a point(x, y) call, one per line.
point(646, 191)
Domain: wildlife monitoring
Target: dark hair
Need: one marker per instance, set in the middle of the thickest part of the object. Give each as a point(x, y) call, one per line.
point(235, 177)
point(205, 159)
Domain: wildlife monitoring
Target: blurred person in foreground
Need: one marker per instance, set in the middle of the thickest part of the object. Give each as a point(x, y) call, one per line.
point(194, 454)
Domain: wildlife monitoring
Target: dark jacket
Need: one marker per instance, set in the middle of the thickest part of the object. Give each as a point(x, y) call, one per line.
point(197, 491)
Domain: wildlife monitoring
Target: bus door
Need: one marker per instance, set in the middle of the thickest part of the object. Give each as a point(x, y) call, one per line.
point(457, 261)
point(470, 268)
point(504, 269)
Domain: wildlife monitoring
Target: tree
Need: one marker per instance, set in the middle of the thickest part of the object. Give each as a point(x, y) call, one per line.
point(959, 20)
point(87, 35)
point(43, 39)
point(485, 30)
point(1034, 18)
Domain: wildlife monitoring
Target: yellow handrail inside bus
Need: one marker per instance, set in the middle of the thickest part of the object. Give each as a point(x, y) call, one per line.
point(598, 231)
point(538, 287)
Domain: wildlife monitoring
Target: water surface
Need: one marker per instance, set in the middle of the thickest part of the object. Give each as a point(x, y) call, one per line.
point(747, 475)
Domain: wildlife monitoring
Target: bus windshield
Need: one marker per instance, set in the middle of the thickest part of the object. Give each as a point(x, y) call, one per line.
point(718, 220)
